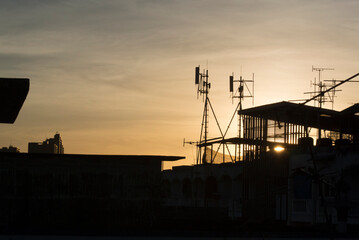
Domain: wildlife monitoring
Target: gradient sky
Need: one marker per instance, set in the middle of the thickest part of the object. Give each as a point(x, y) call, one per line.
point(117, 77)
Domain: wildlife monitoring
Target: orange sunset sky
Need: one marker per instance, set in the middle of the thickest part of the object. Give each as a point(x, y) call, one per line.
point(117, 77)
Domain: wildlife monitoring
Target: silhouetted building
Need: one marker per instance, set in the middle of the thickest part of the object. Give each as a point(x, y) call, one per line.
point(10, 149)
point(87, 194)
point(282, 178)
point(269, 197)
point(52, 145)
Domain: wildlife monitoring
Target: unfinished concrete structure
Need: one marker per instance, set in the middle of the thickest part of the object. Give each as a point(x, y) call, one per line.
point(266, 195)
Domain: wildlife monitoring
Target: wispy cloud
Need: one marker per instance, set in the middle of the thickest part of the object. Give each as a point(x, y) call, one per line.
point(125, 66)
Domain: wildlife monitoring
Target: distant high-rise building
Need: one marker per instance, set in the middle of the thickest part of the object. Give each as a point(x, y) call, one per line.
point(52, 145)
point(10, 149)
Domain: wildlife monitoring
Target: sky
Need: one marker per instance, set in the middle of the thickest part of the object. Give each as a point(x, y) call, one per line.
point(117, 77)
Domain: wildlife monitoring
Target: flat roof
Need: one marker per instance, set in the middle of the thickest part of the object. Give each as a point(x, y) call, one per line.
point(91, 157)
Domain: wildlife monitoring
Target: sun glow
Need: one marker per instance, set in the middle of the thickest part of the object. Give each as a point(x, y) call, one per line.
point(279, 149)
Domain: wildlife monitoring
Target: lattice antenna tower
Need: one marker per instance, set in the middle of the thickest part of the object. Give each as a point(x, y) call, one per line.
point(203, 86)
point(244, 89)
point(202, 83)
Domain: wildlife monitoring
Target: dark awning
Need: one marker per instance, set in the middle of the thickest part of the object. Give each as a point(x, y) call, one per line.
point(13, 92)
point(306, 116)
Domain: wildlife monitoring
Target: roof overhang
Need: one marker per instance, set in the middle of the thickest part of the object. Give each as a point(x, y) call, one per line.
point(306, 116)
point(13, 92)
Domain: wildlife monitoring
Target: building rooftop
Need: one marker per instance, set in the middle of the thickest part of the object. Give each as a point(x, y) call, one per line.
point(75, 157)
point(345, 121)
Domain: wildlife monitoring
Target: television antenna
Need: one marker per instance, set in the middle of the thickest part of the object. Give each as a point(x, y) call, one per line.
point(324, 89)
point(340, 82)
point(320, 88)
point(245, 89)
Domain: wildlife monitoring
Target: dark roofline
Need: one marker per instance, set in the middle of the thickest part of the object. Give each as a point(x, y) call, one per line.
point(99, 156)
point(294, 106)
point(351, 110)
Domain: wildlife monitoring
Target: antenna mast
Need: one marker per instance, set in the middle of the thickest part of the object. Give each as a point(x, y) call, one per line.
point(322, 87)
point(245, 90)
point(203, 86)
point(321, 91)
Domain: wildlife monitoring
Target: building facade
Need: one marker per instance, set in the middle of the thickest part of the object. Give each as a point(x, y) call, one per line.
point(52, 145)
point(204, 197)
point(86, 194)
point(285, 179)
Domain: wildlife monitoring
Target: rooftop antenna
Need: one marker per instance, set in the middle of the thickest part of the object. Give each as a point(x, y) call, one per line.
point(334, 82)
point(340, 82)
point(321, 87)
point(244, 89)
point(203, 86)
point(331, 93)
point(191, 143)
